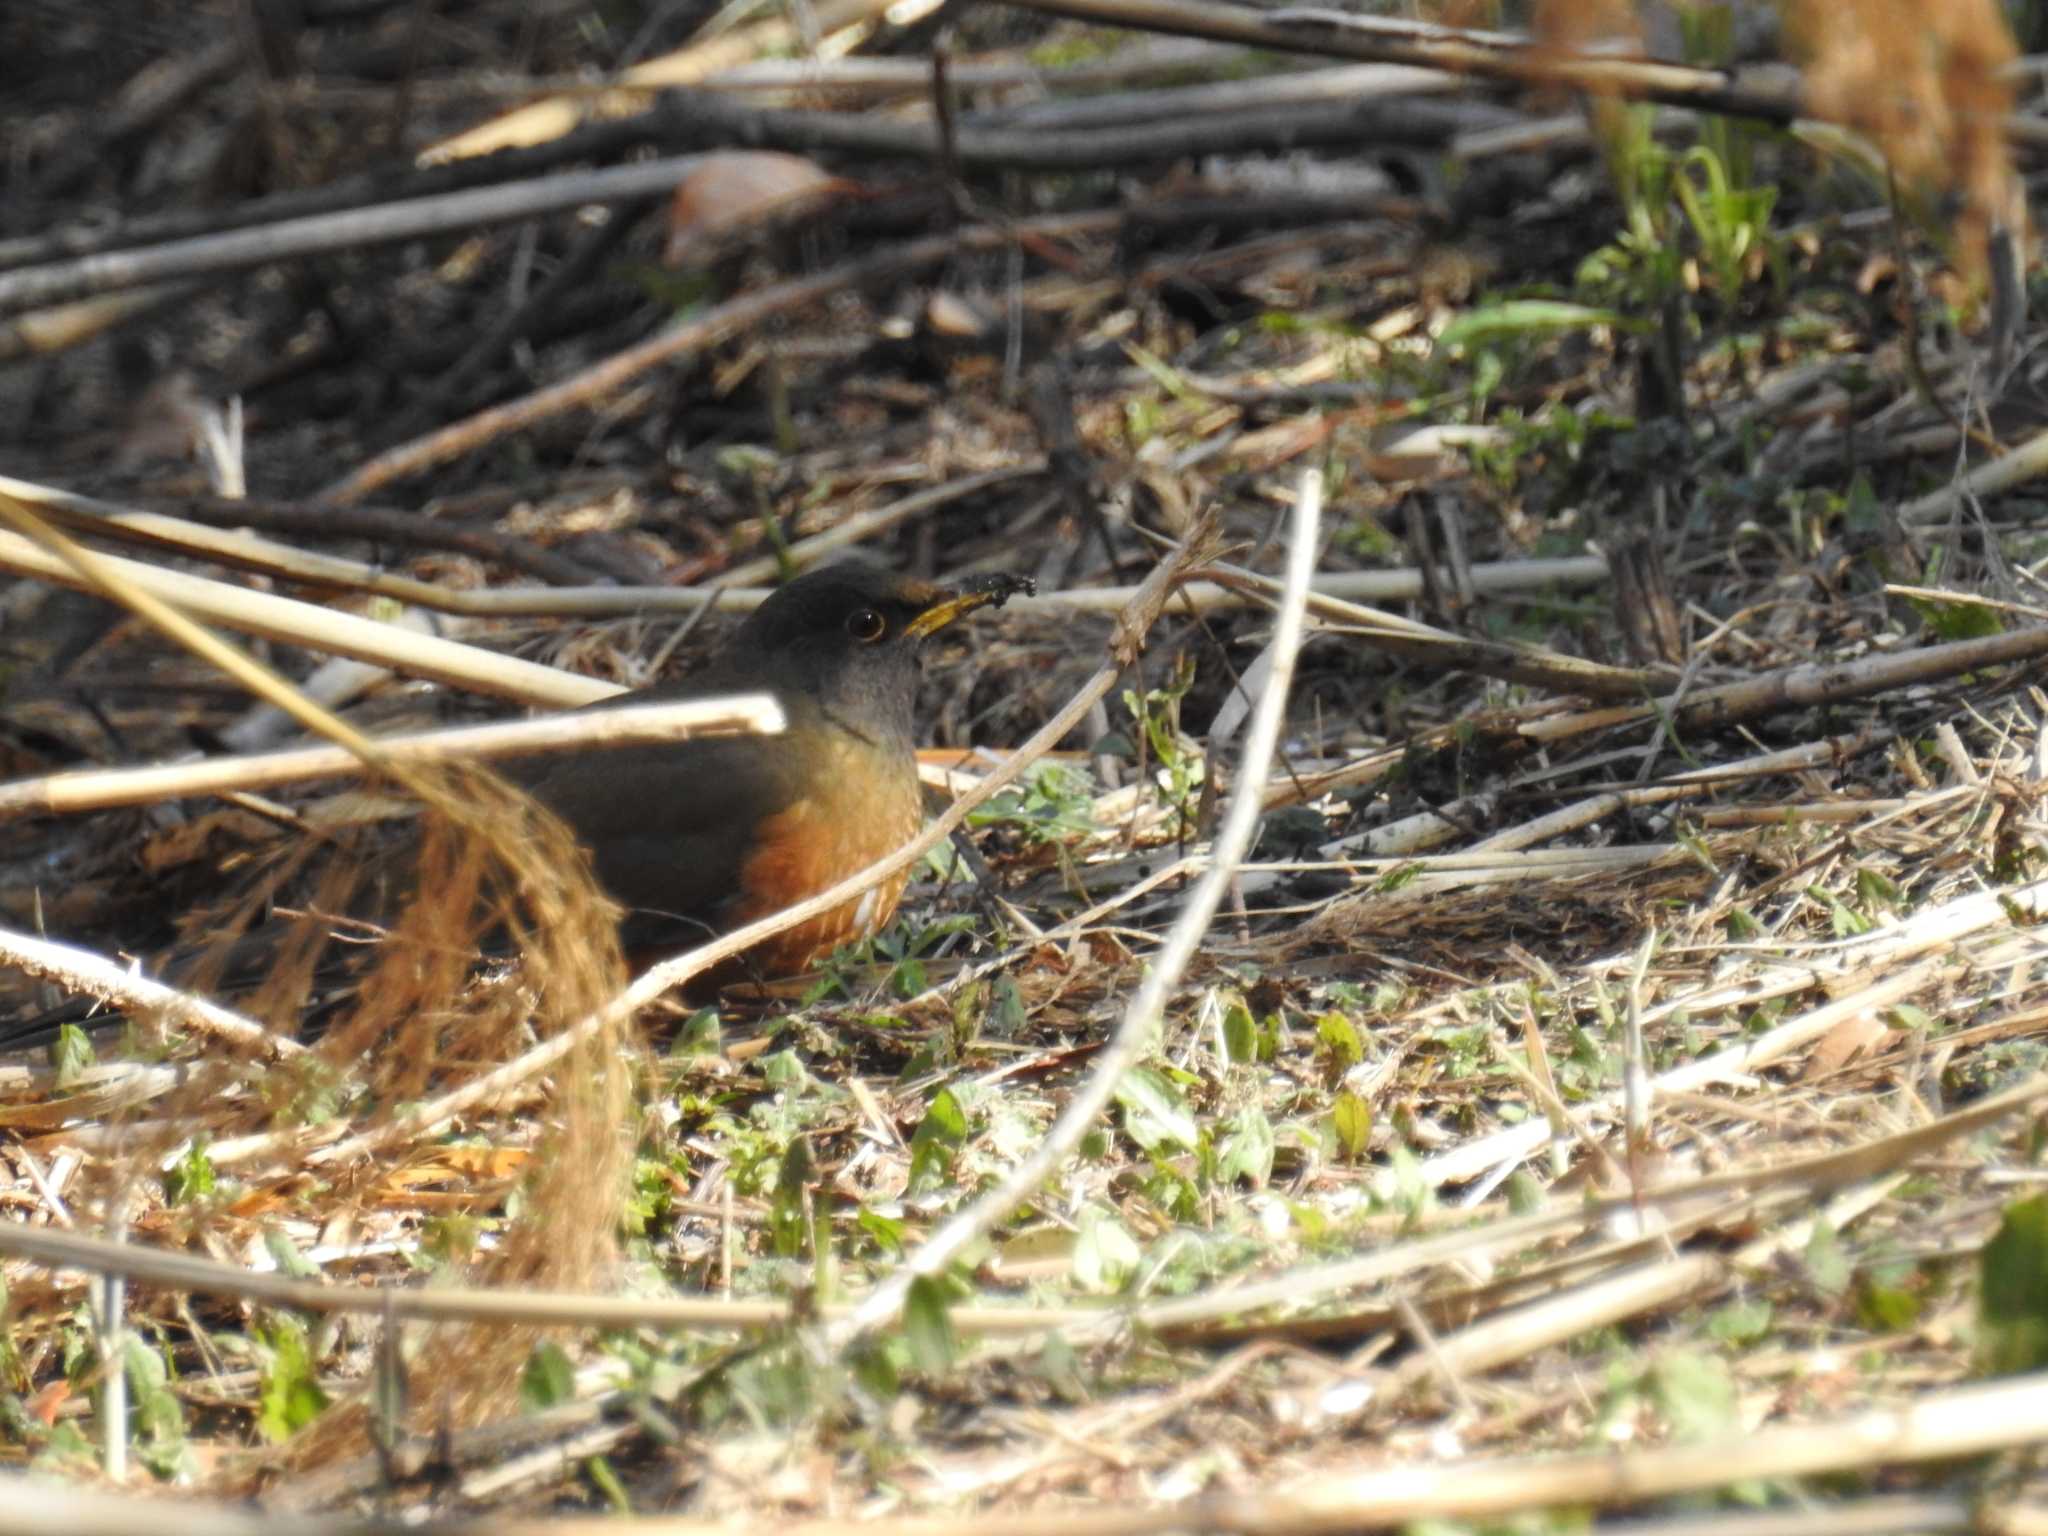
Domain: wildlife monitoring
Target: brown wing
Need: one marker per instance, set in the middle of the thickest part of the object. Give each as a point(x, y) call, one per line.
point(669, 827)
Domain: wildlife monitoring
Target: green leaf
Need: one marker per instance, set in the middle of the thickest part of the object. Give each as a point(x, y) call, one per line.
point(1155, 1114)
point(1886, 1308)
point(1959, 619)
point(1007, 1014)
point(549, 1379)
point(1105, 1255)
point(1917, 1020)
point(1521, 317)
point(284, 1253)
point(873, 1361)
point(1240, 1034)
point(191, 1177)
point(789, 1207)
point(699, 1035)
point(2012, 1292)
point(1826, 1263)
point(70, 1054)
point(784, 1070)
point(1740, 1322)
point(1351, 1117)
point(935, 1140)
point(156, 1417)
point(1248, 1150)
point(606, 1481)
point(291, 1396)
point(928, 1326)
point(1338, 1038)
point(887, 1231)
point(1697, 1396)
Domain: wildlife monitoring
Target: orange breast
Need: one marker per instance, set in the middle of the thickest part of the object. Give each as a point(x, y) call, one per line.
point(866, 806)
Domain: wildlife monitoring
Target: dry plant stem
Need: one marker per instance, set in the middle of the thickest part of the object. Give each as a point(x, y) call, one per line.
point(1491, 55)
point(601, 141)
point(307, 624)
point(551, 117)
point(1439, 648)
point(1398, 584)
point(250, 552)
point(268, 557)
point(2001, 474)
point(1698, 781)
point(1133, 1034)
point(687, 337)
point(1728, 1064)
point(98, 788)
point(80, 970)
point(272, 558)
point(1131, 628)
point(44, 331)
point(237, 251)
point(1884, 1515)
point(1280, 122)
point(101, 576)
point(169, 1269)
point(402, 527)
point(240, 551)
point(1803, 686)
point(1935, 1427)
point(1573, 1313)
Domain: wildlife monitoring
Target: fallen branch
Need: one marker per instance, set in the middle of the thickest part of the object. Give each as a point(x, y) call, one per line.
point(81, 971)
point(92, 789)
point(1488, 55)
point(383, 224)
point(1804, 687)
point(177, 1271)
point(386, 525)
point(323, 629)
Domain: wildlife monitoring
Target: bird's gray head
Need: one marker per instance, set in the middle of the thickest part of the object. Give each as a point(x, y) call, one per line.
point(848, 636)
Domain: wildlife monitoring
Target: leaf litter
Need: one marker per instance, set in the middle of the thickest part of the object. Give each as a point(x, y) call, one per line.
point(1568, 1076)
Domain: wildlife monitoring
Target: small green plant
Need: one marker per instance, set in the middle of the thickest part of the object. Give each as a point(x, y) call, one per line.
point(1692, 221)
point(156, 1419)
point(1052, 804)
point(2012, 1292)
point(1156, 713)
point(191, 1178)
point(291, 1394)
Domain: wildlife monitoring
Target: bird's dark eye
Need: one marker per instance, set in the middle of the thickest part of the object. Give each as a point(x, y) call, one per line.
point(865, 624)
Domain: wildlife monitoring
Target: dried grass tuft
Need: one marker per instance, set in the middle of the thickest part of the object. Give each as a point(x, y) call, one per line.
point(1927, 80)
point(488, 869)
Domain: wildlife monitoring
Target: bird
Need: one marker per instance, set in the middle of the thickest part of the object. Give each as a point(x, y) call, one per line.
point(701, 837)
point(698, 837)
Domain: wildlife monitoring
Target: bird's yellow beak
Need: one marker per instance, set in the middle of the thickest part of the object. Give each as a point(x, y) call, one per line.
point(987, 591)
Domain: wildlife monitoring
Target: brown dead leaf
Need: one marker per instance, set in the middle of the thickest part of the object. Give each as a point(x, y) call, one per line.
point(1859, 1036)
point(450, 1165)
point(1104, 949)
point(45, 1404)
point(740, 189)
